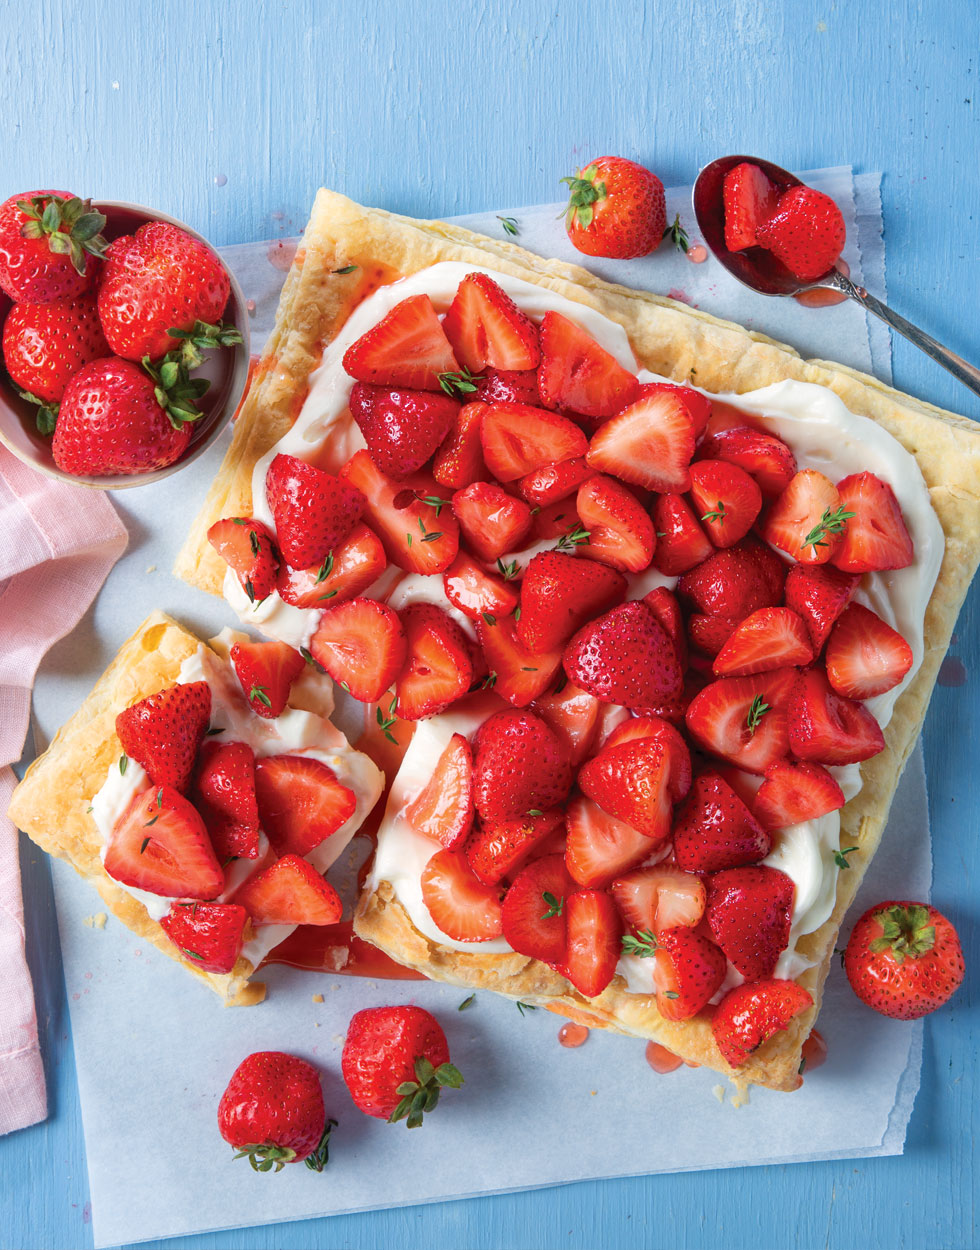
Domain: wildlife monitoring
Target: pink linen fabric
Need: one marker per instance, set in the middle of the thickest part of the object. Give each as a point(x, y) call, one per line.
point(57, 545)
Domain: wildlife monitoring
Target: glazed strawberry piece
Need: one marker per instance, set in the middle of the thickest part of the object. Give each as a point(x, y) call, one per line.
point(715, 829)
point(476, 592)
point(826, 728)
point(519, 675)
point(517, 439)
point(346, 572)
point(664, 606)
point(573, 714)
point(462, 906)
point(210, 935)
point(313, 510)
point(160, 844)
point(491, 521)
point(650, 443)
point(301, 802)
point(290, 891)
point(486, 328)
point(496, 849)
point(554, 481)
point(697, 406)
point(734, 582)
point(750, 1014)
point(520, 766)
point(266, 672)
point(819, 593)
point(808, 519)
point(711, 633)
point(678, 756)
point(247, 547)
point(770, 638)
point(577, 374)
point(437, 669)
point(402, 428)
point(163, 732)
point(767, 458)
point(660, 897)
point(508, 386)
point(794, 792)
point(876, 536)
point(593, 945)
point(534, 919)
point(865, 656)
point(805, 233)
point(726, 499)
point(630, 782)
point(361, 644)
point(32, 271)
point(749, 199)
point(688, 969)
point(749, 912)
point(224, 794)
point(459, 461)
point(598, 846)
point(681, 542)
point(560, 521)
point(624, 656)
point(407, 348)
point(621, 533)
point(443, 808)
point(744, 719)
point(559, 593)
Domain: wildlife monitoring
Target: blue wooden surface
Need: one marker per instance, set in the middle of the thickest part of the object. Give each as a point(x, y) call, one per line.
point(230, 115)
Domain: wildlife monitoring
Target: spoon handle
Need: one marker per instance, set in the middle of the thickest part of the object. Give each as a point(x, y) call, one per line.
point(968, 374)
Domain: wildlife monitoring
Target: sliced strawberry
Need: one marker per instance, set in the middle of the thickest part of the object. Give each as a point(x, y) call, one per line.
point(793, 793)
point(598, 846)
point(660, 897)
point(210, 935)
point(766, 457)
point(492, 522)
point(620, 530)
point(715, 829)
point(475, 592)
point(362, 646)
point(736, 581)
point(807, 519)
point(805, 232)
point(266, 672)
point(594, 933)
point(520, 766)
point(508, 386)
point(743, 719)
point(678, 756)
point(459, 460)
point(630, 782)
point(688, 968)
point(443, 808)
point(710, 633)
point(291, 891)
point(696, 405)
point(624, 656)
point(225, 797)
point(163, 732)
point(248, 549)
point(664, 606)
point(819, 593)
point(674, 710)
point(749, 199)
point(462, 907)
point(576, 373)
point(749, 911)
point(726, 499)
point(554, 481)
point(750, 1014)
point(517, 439)
point(519, 675)
point(770, 638)
point(313, 510)
point(485, 327)
point(559, 593)
point(437, 669)
point(560, 520)
point(826, 728)
point(159, 844)
point(346, 573)
point(496, 849)
point(573, 714)
point(403, 428)
point(650, 443)
point(301, 802)
point(406, 348)
point(534, 919)
point(865, 656)
point(681, 542)
point(876, 536)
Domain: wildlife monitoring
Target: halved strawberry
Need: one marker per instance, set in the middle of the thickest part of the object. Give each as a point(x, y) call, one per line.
point(476, 592)
point(715, 829)
point(347, 572)
point(650, 443)
point(486, 328)
point(743, 719)
point(573, 714)
point(492, 522)
point(461, 905)
point(497, 848)
point(594, 933)
point(659, 730)
point(687, 970)
point(554, 481)
point(402, 428)
point(313, 510)
point(660, 897)
point(224, 794)
point(620, 530)
point(770, 638)
point(630, 782)
point(290, 891)
point(793, 793)
point(407, 347)
point(865, 656)
point(664, 606)
point(266, 671)
point(247, 547)
point(159, 844)
point(805, 233)
point(819, 593)
point(576, 373)
point(726, 499)
point(437, 668)
point(750, 1014)
point(807, 519)
point(362, 646)
point(681, 542)
point(508, 386)
point(560, 520)
point(749, 199)
point(517, 439)
point(459, 460)
point(736, 581)
point(710, 633)
point(827, 728)
point(443, 808)
point(624, 656)
point(534, 920)
point(520, 766)
point(519, 675)
point(767, 458)
point(209, 934)
point(749, 911)
point(876, 536)
point(697, 406)
point(301, 802)
point(163, 731)
point(598, 846)
point(559, 593)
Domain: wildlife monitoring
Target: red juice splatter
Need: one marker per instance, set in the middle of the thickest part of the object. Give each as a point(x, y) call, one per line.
point(661, 1059)
point(573, 1035)
point(697, 254)
point(952, 672)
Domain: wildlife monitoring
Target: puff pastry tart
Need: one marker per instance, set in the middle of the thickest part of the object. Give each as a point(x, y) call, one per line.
point(662, 603)
point(204, 825)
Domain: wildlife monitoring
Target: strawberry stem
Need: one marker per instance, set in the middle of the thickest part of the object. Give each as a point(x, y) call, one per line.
point(72, 227)
point(905, 931)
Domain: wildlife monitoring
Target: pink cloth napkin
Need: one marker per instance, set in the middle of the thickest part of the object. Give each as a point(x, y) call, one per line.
point(57, 544)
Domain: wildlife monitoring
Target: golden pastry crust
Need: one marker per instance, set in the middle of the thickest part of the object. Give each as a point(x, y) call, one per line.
point(677, 342)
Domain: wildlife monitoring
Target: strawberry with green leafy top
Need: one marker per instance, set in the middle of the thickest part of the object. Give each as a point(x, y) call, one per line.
point(50, 246)
point(615, 208)
point(272, 1112)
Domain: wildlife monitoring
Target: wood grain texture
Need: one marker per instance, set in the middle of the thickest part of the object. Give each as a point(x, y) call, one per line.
point(231, 115)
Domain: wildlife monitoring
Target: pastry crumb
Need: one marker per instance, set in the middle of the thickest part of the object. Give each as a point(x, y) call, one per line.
point(316, 1024)
point(318, 998)
point(740, 1098)
point(719, 1092)
point(151, 568)
point(593, 1092)
point(97, 921)
point(338, 1039)
point(335, 987)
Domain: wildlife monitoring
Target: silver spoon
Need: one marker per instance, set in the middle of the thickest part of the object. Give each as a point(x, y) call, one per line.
point(760, 270)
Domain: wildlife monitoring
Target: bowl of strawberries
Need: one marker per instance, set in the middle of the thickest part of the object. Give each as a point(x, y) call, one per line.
point(124, 337)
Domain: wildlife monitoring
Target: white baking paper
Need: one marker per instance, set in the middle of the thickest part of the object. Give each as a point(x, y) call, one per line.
point(154, 1050)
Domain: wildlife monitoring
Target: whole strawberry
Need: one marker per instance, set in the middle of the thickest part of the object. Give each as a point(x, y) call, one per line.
point(156, 280)
point(272, 1112)
point(615, 208)
point(904, 959)
point(49, 246)
point(396, 1062)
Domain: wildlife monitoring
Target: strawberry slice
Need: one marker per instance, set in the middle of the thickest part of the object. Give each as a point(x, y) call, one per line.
point(406, 348)
point(735, 582)
point(710, 633)
point(865, 656)
point(346, 573)
point(659, 730)
point(224, 794)
point(715, 829)
point(726, 499)
point(664, 606)
point(163, 732)
point(437, 668)
point(159, 844)
point(681, 542)
point(248, 549)
point(594, 933)
point(518, 674)
point(534, 919)
point(743, 719)
point(819, 593)
point(301, 802)
point(770, 638)
point(697, 406)
point(598, 846)
point(749, 198)
point(492, 522)
point(574, 716)
point(475, 592)
point(485, 327)
point(290, 891)
point(750, 1014)
point(362, 646)
point(443, 808)
point(660, 897)
point(559, 593)
point(508, 386)
point(805, 233)
point(496, 849)
point(554, 481)
point(687, 970)
point(650, 443)
point(266, 672)
point(517, 439)
point(210, 935)
point(313, 510)
point(826, 728)
point(793, 793)
point(630, 782)
point(767, 458)
point(749, 911)
point(578, 374)
point(876, 536)
point(808, 518)
point(624, 656)
point(520, 767)
point(459, 461)
point(560, 520)
point(459, 903)
point(620, 530)
point(402, 429)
